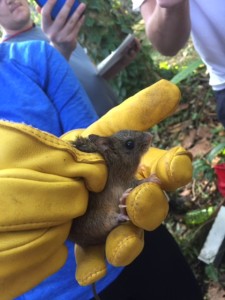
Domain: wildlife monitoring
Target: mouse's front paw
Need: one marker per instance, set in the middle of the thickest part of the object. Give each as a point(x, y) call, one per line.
point(122, 205)
point(152, 178)
point(123, 218)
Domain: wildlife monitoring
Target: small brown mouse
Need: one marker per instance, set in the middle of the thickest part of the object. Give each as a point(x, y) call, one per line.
point(122, 153)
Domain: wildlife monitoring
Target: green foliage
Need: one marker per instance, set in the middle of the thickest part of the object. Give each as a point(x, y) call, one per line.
point(107, 24)
point(36, 17)
point(212, 272)
point(199, 216)
point(186, 71)
point(217, 151)
point(202, 169)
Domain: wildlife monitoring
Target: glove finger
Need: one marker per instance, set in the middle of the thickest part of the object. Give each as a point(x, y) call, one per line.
point(139, 112)
point(91, 265)
point(147, 206)
point(173, 167)
point(124, 244)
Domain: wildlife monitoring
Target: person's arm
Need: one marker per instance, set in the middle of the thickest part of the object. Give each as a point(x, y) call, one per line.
point(62, 32)
point(167, 24)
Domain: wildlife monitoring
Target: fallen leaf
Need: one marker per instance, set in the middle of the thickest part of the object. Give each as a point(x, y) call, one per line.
point(182, 107)
point(189, 139)
point(186, 192)
point(204, 132)
point(202, 147)
point(179, 127)
point(216, 292)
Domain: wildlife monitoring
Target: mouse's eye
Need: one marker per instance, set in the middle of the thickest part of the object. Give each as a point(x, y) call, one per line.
point(129, 144)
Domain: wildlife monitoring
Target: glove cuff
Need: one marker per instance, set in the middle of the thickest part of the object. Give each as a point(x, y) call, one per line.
point(24, 265)
point(43, 183)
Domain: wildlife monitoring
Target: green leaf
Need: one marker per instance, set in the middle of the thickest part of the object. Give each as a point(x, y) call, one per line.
point(212, 272)
point(216, 151)
point(187, 71)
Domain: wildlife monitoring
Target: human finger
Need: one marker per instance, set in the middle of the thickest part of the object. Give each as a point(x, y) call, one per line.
point(46, 14)
point(72, 27)
point(64, 17)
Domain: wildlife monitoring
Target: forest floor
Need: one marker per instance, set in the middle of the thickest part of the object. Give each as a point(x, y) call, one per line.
point(195, 127)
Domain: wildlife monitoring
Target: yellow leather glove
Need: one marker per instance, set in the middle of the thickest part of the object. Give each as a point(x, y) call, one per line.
point(41, 192)
point(147, 204)
point(44, 185)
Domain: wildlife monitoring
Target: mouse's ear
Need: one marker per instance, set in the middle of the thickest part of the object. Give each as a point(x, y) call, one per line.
point(84, 145)
point(93, 137)
point(101, 142)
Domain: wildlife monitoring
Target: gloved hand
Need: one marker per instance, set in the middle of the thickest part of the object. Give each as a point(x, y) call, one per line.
point(42, 191)
point(147, 204)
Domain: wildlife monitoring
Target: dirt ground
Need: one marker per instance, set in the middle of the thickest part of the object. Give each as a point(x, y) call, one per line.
point(196, 128)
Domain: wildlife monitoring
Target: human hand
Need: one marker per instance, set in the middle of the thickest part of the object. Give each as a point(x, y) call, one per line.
point(127, 56)
point(63, 31)
point(44, 185)
point(147, 204)
point(41, 192)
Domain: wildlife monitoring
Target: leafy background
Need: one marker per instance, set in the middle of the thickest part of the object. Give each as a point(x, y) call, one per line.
point(194, 125)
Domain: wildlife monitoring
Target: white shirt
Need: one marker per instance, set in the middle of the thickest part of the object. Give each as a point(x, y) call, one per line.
point(137, 4)
point(208, 34)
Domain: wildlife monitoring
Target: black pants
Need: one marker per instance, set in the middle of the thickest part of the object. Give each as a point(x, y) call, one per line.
point(220, 105)
point(159, 273)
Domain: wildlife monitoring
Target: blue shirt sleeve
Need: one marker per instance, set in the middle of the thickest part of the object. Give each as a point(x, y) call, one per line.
point(65, 91)
point(39, 88)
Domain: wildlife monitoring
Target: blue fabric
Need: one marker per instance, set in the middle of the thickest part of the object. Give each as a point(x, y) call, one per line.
point(38, 88)
point(220, 105)
point(62, 285)
point(99, 91)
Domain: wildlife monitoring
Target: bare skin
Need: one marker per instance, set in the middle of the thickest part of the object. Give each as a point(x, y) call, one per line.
point(14, 16)
point(62, 32)
point(122, 153)
point(167, 24)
